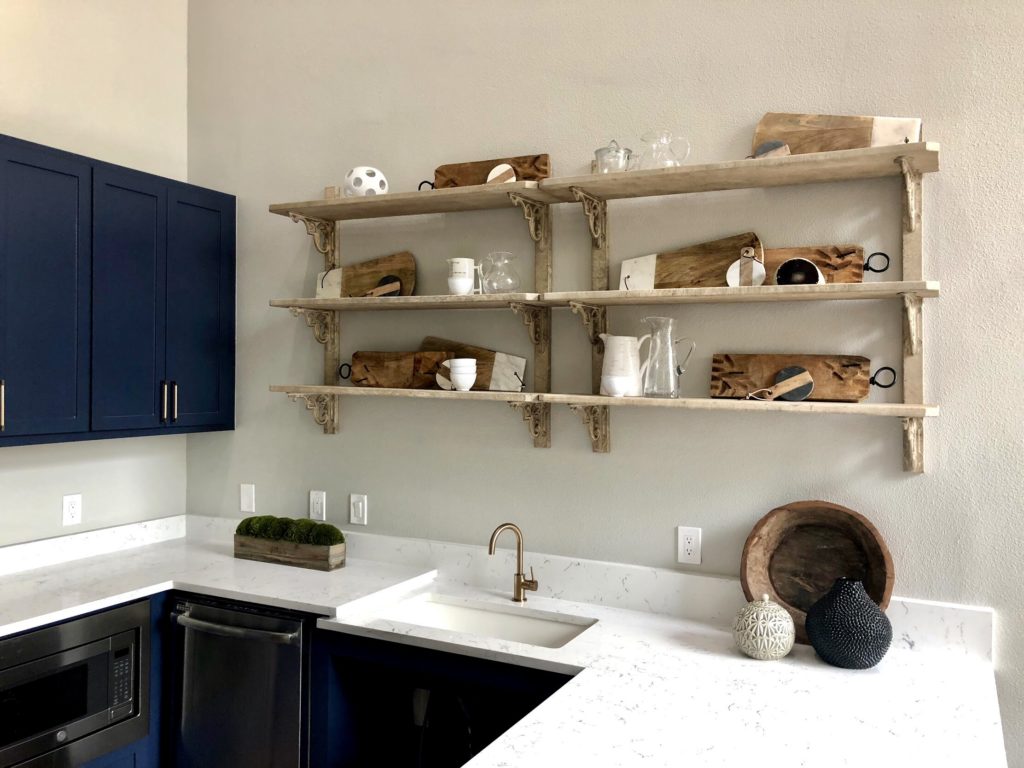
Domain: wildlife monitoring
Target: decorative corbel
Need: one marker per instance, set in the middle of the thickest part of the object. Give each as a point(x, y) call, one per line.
point(321, 406)
point(538, 215)
point(911, 195)
point(322, 232)
point(595, 320)
point(596, 211)
point(913, 444)
point(537, 321)
point(911, 325)
point(597, 421)
point(538, 421)
point(319, 320)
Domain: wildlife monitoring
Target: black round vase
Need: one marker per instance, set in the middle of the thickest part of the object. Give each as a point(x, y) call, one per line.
point(847, 628)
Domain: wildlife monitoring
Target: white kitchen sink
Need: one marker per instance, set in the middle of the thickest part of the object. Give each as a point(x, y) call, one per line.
point(517, 623)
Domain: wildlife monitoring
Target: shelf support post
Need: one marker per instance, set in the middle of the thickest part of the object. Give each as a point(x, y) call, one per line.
point(596, 211)
point(323, 407)
point(913, 445)
point(595, 322)
point(538, 219)
point(538, 323)
point(538, 421)
point(913, 214)
point(595, 417)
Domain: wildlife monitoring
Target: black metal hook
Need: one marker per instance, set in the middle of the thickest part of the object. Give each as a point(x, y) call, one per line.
point(874, 377)
point(867, 262)
point(427, 182)
point(341, 371)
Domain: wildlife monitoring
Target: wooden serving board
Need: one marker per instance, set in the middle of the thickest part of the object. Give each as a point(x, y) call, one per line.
point(402, 370)
point(495, 371)
point(822, 133)
point(527, 168)
point(319, 557)
point(703, 265)
point(795, 553)
point(838, 263)
point(837, 378)
point(362, 278)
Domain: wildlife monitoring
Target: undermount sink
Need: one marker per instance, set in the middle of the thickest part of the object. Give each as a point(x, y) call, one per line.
point(503, 622)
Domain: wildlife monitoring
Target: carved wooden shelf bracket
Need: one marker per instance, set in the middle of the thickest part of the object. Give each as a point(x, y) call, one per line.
point(323, 407)
point(912, 195)
point(596, 211)
point(321, 322)
point(595, 320)
point(538, 215)
point(913, 445)
point(911, 326)
point(598, 422)
point(537, 321)
point(322, 232)
point(538, 421)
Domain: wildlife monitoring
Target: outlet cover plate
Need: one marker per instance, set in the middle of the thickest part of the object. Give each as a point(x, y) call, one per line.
point(318, 505)
point(247, 498)
point(688, 545)
point(358, 509)
point(72, 509)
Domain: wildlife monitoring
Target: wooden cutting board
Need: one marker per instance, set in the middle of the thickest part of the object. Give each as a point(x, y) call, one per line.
point(404, 370)
point(359, 279)
point(795, 553)
point(838, 263)
point(495, 371)
point(822, 133)
point(703, 265)
point(527, 168)
point(837, 378)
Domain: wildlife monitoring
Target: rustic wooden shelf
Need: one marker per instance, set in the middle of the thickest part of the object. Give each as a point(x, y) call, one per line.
point(762, 293)
point(451, 200)
point(899, 410)
point(841, 165)
point(392, 303)
point(425, 394)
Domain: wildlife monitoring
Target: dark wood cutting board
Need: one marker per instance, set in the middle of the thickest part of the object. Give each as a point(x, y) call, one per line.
point(795, 553)
point(359, 279)
point(837, 378)
point(404, 370)
point(703, 265)
point(838, 263)
point(527, 168)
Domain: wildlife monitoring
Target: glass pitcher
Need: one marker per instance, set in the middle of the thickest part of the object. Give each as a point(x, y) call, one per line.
point(663, 150)
point(661, 379)
point(500, 274)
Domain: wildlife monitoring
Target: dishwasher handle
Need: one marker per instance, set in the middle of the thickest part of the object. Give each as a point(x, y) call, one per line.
point(245, 633)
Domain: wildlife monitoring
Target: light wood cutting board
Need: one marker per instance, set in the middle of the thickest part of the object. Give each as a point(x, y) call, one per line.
point(703, 265)
point(403, 370)
point(837, 378)
point(838, 263)
point(822, 133)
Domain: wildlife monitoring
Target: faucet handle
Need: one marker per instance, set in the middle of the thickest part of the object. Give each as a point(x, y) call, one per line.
point(530, 583)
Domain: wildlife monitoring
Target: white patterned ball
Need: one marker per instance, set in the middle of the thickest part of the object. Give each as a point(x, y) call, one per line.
point(364, 181)
point(764, 630)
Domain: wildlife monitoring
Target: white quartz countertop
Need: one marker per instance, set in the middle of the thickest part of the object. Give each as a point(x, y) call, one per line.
point(55, 593)
point(651, 689)
point(661, 691)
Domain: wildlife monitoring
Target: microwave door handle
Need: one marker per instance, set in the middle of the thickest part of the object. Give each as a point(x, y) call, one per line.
point(245, 633)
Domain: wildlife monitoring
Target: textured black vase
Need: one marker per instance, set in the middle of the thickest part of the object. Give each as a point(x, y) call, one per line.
point(847, 628)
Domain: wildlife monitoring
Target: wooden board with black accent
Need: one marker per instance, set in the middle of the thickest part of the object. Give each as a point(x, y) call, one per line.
point(837, 378)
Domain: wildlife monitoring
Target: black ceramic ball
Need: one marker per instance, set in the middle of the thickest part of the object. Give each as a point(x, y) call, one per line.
point(847, 628)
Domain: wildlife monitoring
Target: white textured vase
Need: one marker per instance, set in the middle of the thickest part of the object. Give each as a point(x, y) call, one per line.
point(764, 630)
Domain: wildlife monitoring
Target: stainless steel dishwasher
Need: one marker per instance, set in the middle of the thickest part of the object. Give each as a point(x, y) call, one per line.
point(241, 685)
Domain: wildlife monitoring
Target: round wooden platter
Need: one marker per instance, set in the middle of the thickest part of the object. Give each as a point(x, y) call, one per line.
point(797, 551)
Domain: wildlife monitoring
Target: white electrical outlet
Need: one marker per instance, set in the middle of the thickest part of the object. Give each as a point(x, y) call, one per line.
point(247, 498)
point(318, 505)
point(358, 509)
point(688, 544)
point(73, 509)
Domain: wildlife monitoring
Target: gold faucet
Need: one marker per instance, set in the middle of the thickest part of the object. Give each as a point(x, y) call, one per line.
point(520, 583)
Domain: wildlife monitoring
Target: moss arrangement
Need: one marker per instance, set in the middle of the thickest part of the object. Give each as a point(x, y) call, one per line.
point(285, 529)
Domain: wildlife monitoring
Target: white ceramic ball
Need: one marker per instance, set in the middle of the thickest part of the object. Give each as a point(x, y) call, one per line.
point(764, 630)
point(364, 181)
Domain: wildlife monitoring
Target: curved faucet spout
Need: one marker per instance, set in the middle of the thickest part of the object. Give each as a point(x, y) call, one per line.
point(520, 582)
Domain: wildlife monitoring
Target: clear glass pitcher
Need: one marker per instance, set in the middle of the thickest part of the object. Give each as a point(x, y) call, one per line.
point(661, 379)
point(500, 274)
point(663, 150)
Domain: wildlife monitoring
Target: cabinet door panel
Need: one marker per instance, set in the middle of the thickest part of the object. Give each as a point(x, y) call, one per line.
point(129, 289)
point(44, 289)
point(200, 305)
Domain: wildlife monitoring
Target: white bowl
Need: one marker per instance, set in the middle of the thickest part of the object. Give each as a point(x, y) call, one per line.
point(463, 382)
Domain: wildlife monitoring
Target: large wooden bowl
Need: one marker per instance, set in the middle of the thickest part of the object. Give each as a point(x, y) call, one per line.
point(796, 552)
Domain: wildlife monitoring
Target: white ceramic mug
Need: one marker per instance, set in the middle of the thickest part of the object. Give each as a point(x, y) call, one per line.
point(458, 373)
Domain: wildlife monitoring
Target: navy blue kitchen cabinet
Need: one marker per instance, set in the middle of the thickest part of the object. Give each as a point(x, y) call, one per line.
point(45, 241)
point(117, 300)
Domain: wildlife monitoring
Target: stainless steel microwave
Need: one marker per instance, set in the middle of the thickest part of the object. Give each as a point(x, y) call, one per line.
point(75, 691)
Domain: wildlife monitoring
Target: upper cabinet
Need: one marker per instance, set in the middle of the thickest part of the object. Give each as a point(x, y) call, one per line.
point(117, 307)
point(45, 241)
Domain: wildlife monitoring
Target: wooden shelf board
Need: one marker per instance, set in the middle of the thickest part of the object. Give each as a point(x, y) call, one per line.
point(811, 168)
point(712, 404)
point(831, 291)
point(450, 200)
point(426, 394)
point(392, 303)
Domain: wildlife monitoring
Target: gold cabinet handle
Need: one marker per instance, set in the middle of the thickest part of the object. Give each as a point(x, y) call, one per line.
point(174, 401)
point(163, 401)
point(3, 405)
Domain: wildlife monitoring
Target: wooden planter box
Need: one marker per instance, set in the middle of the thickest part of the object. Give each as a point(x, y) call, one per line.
point(317, 556)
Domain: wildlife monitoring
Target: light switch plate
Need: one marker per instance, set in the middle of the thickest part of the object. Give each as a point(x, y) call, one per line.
point(73, 509)
point(247, 498)
point(688, 545)
point(318, 505)
point(358, 509)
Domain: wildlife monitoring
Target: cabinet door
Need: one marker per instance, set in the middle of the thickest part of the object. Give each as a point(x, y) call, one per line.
point(44, 289)
point(201, 306)
point(128, 299)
